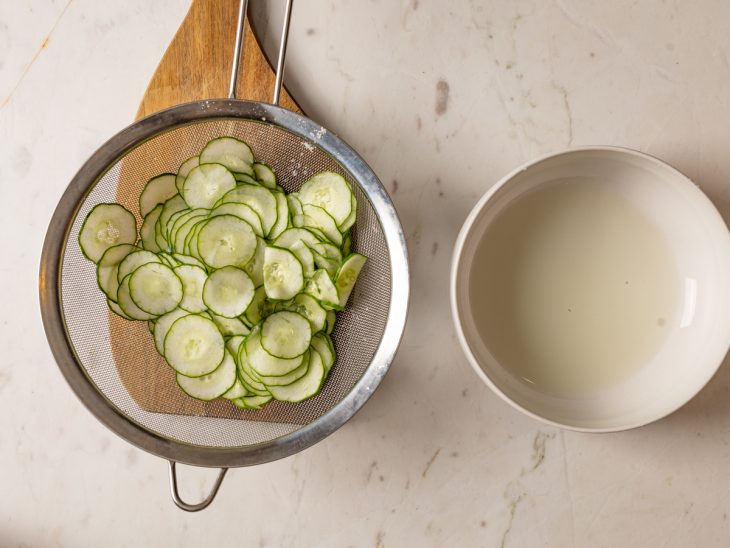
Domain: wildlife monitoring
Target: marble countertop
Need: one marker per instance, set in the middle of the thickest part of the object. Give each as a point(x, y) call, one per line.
point(442, 99)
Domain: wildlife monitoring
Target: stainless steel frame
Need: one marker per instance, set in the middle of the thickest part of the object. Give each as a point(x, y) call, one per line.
point(54, 323)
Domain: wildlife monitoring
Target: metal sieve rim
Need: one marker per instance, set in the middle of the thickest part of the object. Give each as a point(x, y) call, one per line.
point(59, 231)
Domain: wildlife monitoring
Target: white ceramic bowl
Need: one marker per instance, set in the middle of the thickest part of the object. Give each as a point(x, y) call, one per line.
point(700, 244)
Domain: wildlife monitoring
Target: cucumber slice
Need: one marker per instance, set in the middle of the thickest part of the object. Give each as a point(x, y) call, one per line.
point(155, 288)
point(172, 206)
point(241, 211)
point(293, 235)
point(210, 386)
point(329, 191)
point(184, 170)
point(163, 325)
point(323, 345)
point(128, 306)
point(114, 307)
point(166, 259)
point(259, 306)
point(181, 235)
point(147, 231)
point(321, 287)
point(179, 221)
point(346, 243)
point(309, 307)
point(193, 279)
point(238, 390)
point(206, 184)
point(234, 343)
point(263, 363)
point(108, 267)
point(327, 251)
point(282, 215)
point(105, 226)
point(255, 267)
point(230, 327)
point(187, 259)
point(248, 376)
point(295, 204)
point(345, 225)
point(330, 265)
point(259, 198)
point(331, 319)
point(245, 178)
point(229, 152)
point(194, 346)
point(286, 334)
point(289, 378)
point(347, 276)
point(306, 257)
point(264, 174)
point(226, 240)
point(283, 275)
point(133, 261)
point(304, 388)
point(228, 292)
point(317, 217)
point(251, 402)
point(157, 191)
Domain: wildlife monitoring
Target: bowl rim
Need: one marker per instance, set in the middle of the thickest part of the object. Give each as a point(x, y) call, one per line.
point(464, 234)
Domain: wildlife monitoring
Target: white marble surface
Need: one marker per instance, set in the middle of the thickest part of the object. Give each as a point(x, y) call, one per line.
point(441, 99)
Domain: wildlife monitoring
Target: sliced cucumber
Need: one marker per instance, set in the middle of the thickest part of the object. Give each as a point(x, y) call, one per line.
point(259, 198)
point(283, 275)
point(157, 191)
point(264, 363)
point(172, 206)
point(264, 174)
point(251, 402)
point(304, 388)
point(193, 279)
point(286, 334)
point(322, 344)
point(206, 184)
point(346, 243)
point(194, 346)
point(108, 268)
point(184, 170)
point(321, 287)
point(289, 378)
point(187, 259)
point(105, 226)
point(162, 326)
point(166, 259)
point(128, 306)
point(282, 215)
point(230, 152)
point(245, 178)
point(249, 377)
point(155, 288)
point(258, 307)
point(309, 307)
point(210, 386)
point(295, 204)
point(317, 217)
point(134, 260)
point(331, 319)
point(347, 276)
point(226, 241)
point(238, 390)
point(306, 257)
point(230, 327)
point(114, 307)
point(255, 267)
point(243, 211)
point(228, 292)
point(345, 225)
point(329, 191)
point(147, 231)
point(293, 235)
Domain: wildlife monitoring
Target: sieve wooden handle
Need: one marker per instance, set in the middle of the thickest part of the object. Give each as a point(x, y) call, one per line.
point(197, 63)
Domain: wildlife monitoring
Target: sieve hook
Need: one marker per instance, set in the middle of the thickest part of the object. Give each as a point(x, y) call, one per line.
point(193, 507)
point(238, 48)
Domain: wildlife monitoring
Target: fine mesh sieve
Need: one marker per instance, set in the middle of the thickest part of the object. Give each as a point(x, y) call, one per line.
point(112, 364)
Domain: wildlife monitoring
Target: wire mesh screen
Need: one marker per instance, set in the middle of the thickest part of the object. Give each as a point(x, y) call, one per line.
point(119, 355)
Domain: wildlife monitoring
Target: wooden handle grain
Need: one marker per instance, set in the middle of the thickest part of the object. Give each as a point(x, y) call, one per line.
point(197, 62)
